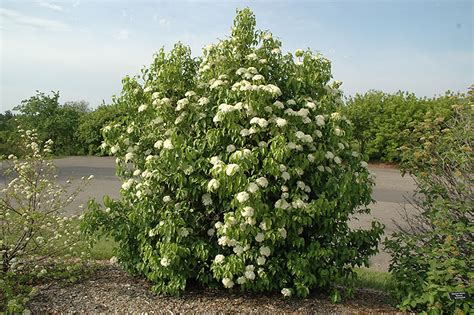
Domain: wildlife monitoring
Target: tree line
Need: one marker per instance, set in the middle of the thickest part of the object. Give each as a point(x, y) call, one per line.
point(383, 122)
point(73, 126)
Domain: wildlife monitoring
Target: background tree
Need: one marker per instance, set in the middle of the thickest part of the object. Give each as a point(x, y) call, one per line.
point(51, 120)
point(8, 135)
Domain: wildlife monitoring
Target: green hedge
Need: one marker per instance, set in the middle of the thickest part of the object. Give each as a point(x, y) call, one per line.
point(383, 122)
point(89, 131)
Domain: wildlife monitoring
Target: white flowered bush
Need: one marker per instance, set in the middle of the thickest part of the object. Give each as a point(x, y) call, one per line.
point(34, 226)
point(236, 171)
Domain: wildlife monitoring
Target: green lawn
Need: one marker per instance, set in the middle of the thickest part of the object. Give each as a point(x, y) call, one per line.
point(371, 279)
point(103, 249)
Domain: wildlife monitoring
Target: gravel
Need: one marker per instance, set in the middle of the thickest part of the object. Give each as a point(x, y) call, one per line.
point(111, 290)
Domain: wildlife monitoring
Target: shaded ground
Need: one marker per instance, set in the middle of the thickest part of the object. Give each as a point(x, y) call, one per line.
point(111, 290)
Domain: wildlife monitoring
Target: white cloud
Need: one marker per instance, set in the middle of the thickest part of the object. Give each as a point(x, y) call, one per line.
point(51, 6)
point(161, 21)
point(17, 18)
point(127, 15)
point(164, 22)
point(122, 34)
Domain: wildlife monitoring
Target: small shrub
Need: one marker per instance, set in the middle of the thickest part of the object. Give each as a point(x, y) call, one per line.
point(237, 171)
point(34, 232)
point(432, 254)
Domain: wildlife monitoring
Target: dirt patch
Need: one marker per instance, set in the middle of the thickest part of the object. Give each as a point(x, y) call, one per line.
point(111, 290)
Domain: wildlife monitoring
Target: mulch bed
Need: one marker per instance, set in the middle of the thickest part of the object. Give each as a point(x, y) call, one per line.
point(111, 290)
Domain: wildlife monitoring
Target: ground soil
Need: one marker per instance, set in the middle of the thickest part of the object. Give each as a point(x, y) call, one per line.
point(109, 289)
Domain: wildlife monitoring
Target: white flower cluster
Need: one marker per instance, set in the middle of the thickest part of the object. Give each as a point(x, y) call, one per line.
point(303, 137)
point(228, 283)
point(213, 185)
point(128, 184)
point(160, 102)
point(301, 185)
point(142, 108)
point(206, 200)
point(262, 182)
point(245, 85)
point(224, 109)
point(286, 292)
point(216, 83)
point(231, 169)
point(190, 94)
point(203, 101)
point(310, 105)
point(231, 148)
point(165, 262)
point(302, 112)
point(280, 122)
point(294, 146)
point(248, 212)
point(262, 122)
point(271, 89)
point(180, 105)
point(282, 204)
point(240, 154)
point(320, 121)
point(242, 197)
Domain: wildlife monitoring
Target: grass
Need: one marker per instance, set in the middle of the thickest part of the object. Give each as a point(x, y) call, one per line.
point(372, 279)
point(103, 249)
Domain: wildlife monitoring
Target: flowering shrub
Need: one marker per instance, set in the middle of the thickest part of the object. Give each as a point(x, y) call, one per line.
point(34, 231)
point(237, 171)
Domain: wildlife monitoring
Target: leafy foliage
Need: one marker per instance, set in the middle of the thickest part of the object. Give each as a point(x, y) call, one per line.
point(433, 252)
point(382, 121)
point(237, 170)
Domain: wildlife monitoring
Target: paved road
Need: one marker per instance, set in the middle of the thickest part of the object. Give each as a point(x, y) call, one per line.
point(390, 192)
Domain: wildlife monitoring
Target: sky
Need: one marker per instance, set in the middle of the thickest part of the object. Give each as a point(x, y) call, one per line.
point(83, 49)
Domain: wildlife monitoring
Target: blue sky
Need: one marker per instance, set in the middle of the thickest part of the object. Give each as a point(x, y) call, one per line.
point(84, 48)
